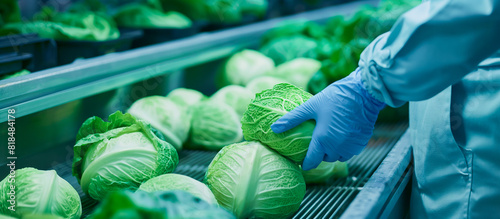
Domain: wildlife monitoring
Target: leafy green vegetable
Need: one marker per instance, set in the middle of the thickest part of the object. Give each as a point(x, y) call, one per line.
point(156, 205)
point(119, 154)
point(262, 83)
point(214, 125)
point(291, 28)
point(165, 116)
point(143, 16)
point(267, 107)
point(326, 171)
point(235, 96)
point(253, 181)
point(217, 11)
point(172, 181)
point(186, 97)
point(317, 83)
point(244, 66)
point(68, 26)
point(9, 12)
point(286, 49)
point(257, 8)
point(298, 71)
point(39, 192)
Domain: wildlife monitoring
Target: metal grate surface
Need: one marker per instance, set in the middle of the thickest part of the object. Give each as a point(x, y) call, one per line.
point(320, 201)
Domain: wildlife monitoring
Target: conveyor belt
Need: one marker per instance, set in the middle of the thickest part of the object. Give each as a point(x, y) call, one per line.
point(320, 201)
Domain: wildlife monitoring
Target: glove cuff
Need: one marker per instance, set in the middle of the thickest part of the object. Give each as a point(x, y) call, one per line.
point(373, 103)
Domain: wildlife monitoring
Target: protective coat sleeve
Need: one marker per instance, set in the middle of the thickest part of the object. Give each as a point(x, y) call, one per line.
point(430, 48)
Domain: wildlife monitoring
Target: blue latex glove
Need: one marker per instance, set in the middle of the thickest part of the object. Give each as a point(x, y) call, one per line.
point(345, 115)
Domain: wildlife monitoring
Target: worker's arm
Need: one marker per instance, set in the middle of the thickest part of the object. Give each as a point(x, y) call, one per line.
point(430, 48)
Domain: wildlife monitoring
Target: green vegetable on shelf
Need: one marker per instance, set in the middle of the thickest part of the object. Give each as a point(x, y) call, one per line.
point(286, 49)
point(39, 192)
point(165, 116)
point(67, 26)
point(244, 66)
point(297, 71)
point(186, 97)
point(119, 154)
point(216, 11)
point(267, 107)
point(156, 205)
point(326, 171)
point(136, 15)
point(253, 181)
point(9, 12)
point(262, 83)
point(214, 125)
point(235, 96)
point(172, 181)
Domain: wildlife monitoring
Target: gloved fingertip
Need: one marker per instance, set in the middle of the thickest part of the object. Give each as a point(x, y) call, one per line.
point(309, 164)
point(279, 127)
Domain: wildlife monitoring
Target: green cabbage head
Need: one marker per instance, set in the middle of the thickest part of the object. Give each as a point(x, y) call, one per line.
point(137, 15)
point(173, 204)
point(326, 171)
point(172, 181)
point(298, 71)
point(40, 192)
point(235, 96)
point(259, 84)
point(253, 181)
point(165, 116)
point(244, 66)
point(119, 154)
point(214, 125)
point(186, 97)
point(267, 107)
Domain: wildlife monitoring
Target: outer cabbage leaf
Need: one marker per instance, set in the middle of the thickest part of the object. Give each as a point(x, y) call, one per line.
point(169, 204)
point(214, 125)
point(119, 154)
point(253, 181)
point(262, 83)
point(142, 16)
point(172, 181)
point(285, 49)
point(267, 107)
point(298, 71)
point(186, 97)
point(244, 66)
point(216, 11)
point(165, 116)
point(68, 26)
point(235, 96)
point(326, 171)
point(40, 192)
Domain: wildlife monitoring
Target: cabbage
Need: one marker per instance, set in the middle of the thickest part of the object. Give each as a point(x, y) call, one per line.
point(326, 171)
point(214, 125)
point(262, 83)
point(156, 205)
point(39, 192)
point(143, 16)
point(165, 116)
point(253, 181)
point(186, 97)
point(244, 66)
point(119, 154)
point(267, 107)
point(298, 71)
point(68, 26)
point(285, 49)
point(235, 96)
point(172, 181)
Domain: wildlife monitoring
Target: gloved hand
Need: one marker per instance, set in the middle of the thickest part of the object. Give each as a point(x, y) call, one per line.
point(345, 115)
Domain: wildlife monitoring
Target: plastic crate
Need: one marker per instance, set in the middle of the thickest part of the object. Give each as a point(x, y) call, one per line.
point(42, 50)
point(69, 50)
point(14, 63)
